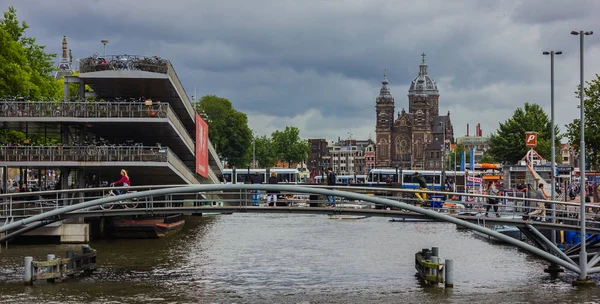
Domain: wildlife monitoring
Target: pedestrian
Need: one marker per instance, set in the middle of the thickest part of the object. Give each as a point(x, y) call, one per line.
point(492, 201)
point(256, 179)
point(541, 205)
point(272, 194)
point(422, 196)
point(331, 182)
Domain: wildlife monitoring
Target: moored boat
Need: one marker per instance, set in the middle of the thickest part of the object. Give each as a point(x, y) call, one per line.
point(346, 217)
point(151, 228)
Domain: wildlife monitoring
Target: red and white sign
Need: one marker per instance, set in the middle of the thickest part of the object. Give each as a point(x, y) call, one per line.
point(531, 139)
point(201, 146)
point(475, 179)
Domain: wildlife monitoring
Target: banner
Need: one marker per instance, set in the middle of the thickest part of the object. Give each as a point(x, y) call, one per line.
point(201, 146)
point(472, 160)
point(462, 161)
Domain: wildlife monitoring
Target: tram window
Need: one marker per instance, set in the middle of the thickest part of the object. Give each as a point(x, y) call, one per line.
point(227, 177)
point(241, 178)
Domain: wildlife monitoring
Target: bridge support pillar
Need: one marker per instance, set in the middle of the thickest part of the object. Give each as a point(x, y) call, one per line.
point(554, 269)
point(587, 282)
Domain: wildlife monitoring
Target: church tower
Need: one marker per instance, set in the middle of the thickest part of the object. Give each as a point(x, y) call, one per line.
point(423, 96)
point(384, 107)
point(65, 62)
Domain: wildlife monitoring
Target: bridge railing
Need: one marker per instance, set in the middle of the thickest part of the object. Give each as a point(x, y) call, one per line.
point(20, 205)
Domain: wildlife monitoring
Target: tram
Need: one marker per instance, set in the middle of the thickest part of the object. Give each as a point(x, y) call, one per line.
point(382, 177)
point(240, 176)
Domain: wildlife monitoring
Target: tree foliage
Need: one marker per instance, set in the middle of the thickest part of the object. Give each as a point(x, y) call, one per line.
point(14, 137)
point(289, 147)
point(227, 129)
point(591, 127)
point(507, 144)
point(26, 67)
point(265, 152)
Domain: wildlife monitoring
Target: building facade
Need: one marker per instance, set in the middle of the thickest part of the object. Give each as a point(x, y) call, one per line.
point(418, 138)
point(318, 150)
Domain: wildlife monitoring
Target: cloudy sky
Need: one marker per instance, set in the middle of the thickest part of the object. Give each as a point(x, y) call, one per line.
point(318, 65)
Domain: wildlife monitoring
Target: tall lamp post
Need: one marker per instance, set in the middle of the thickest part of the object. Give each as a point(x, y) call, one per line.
point(104, 42)
point(443, 125)
point(553, 136)
point(582, 252)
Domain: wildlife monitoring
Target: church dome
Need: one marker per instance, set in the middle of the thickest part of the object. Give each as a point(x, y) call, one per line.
point(423, 84)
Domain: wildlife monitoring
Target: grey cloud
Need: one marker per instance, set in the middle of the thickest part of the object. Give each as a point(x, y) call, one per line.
point(313, 62)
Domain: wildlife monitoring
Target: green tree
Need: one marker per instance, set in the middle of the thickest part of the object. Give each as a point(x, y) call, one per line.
point(487, 158)
point(227, 129)
point(591, 127)
point(27, 67)
point(73, 90)
point(507, 144)
point(265, 152)
point(289, 147)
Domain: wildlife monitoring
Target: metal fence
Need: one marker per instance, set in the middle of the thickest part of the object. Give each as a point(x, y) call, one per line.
point(100, 109)
point(82, 154)
point(123, 62)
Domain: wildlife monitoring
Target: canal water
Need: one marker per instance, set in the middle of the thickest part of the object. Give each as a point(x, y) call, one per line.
point(266, 258)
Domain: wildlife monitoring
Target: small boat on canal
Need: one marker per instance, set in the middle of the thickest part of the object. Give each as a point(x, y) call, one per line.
point(346, 217)
point(150, 228)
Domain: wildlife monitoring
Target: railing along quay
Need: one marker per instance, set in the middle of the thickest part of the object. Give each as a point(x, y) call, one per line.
point(96, 63)
point(93, 109)
point(82, 154)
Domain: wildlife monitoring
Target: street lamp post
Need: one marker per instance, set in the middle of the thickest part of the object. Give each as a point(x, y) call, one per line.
point(553, 136)
point(443, 124)
point(104, 42)
point(582, 252)
point(254, 152)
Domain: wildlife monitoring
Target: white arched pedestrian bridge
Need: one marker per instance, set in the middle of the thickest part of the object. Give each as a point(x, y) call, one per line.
point(22, 213)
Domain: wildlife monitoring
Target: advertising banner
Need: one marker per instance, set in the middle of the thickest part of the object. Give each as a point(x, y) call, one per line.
point(201, 146)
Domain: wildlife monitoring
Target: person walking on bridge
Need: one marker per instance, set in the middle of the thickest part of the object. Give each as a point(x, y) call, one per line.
point(492, 201)
point(541, 205)
point(331, 182)
point(419, 178)
point(256, 179)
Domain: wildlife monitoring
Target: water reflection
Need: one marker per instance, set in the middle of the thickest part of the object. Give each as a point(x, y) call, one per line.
point(254, 258)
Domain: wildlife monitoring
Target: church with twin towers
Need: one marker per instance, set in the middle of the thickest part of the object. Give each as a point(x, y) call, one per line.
point(417, 138)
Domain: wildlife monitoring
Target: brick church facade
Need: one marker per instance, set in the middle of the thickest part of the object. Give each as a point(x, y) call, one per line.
point(414, 139)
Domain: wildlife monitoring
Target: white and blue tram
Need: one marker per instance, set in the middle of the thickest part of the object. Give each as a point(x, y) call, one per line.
point(435, 179)
point(343, 179)
point(284, 175)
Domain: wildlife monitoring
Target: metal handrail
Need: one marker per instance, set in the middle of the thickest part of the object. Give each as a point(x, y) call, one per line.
point(101, 109)
point(83, 153)
point(245, 188)
point(96, 63)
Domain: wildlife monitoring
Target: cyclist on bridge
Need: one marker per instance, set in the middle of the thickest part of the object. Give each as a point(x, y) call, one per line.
point(422, 196)
point(124, 181)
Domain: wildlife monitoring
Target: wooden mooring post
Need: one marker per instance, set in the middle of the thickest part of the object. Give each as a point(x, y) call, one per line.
point(430, 270)
point(58, 268)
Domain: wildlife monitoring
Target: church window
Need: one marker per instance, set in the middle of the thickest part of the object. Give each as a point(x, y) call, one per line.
point(419, 117)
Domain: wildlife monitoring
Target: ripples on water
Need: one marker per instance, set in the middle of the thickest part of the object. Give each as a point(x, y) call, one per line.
point(253, 258)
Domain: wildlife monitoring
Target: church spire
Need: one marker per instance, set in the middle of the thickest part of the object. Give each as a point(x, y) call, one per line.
point(384, 92)
point(64, 48)
point(65, 62)
point(423, 66)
